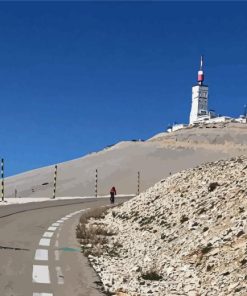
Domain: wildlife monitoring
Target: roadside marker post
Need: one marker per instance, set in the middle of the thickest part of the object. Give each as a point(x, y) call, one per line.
point(2, 178)
point(96, 183)
point(138, 183)
point(55, 183)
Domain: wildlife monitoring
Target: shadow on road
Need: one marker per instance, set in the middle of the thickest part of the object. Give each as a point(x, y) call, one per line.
point(13, 249)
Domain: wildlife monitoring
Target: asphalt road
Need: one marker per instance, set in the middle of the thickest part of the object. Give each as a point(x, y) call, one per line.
point(39, 253)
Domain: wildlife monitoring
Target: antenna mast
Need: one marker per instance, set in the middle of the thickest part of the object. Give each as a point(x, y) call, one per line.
point(200, 76)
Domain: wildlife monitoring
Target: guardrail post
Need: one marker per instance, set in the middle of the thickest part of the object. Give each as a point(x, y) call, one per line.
point(2, 179)
point(138, 183)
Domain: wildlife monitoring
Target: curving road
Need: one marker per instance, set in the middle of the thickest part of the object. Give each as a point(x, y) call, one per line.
point(39, 254)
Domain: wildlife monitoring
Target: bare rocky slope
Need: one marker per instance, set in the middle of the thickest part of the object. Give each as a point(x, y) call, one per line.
point(186, 235)
point(118, 165)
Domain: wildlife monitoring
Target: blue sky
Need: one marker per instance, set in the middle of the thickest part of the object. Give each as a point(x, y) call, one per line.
point(76, 77)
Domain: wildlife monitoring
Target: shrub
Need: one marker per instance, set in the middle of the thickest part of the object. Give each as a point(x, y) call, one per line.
point(93, 213)
point(151, 275)
point(183, 218)
point(212, 186)
point(93, 236)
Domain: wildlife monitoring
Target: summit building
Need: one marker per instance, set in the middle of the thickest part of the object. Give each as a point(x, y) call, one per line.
point(199, 107)
point(199, 113)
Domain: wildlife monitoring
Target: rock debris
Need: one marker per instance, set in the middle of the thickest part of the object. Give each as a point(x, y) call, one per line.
point(186, 235)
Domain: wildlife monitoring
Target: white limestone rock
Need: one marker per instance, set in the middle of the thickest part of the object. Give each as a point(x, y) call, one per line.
point(183, 236)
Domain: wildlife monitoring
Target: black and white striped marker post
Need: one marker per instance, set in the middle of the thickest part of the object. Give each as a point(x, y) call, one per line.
point(96, 183)
point(55, 182)
point(138, 183)
point(2, 178)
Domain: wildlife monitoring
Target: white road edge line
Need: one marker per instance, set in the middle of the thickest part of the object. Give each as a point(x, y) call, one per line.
point(41, 254)
point(41, 274)
point(57, 255)
point(60, 277)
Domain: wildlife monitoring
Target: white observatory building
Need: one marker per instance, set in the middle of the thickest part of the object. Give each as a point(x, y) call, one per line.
point(200, 114)
point(199, 108)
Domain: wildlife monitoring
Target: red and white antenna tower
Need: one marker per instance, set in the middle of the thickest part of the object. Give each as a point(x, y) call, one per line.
point(200, 76)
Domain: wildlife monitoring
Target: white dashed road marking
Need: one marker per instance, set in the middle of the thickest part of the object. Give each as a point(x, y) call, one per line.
point(55, 224)
point(45, 242)
point(52, 228)
point(41, 274)
point(42, 294)
point(41, 254)
point(48, 234)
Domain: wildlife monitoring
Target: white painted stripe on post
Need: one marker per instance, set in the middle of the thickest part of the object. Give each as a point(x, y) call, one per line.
point(42, 294)
point(52, 228)
point(48, 234)
point(41, 274)
point(60, 277)
point(45, 242)
point(41, 254)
